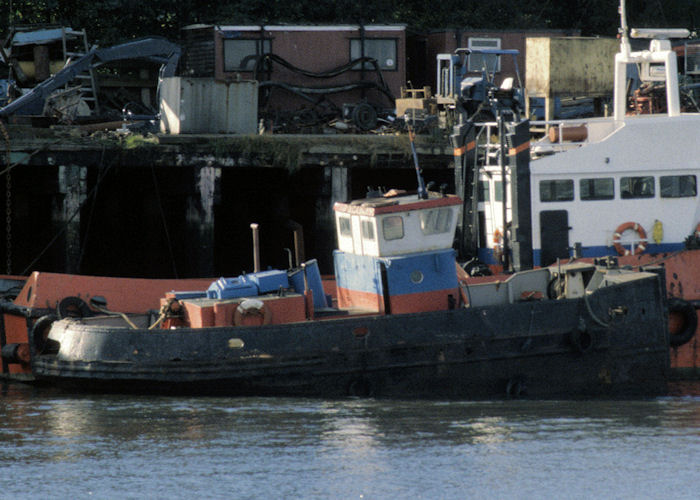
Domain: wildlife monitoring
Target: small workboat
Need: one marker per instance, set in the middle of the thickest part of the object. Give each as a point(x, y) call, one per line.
point(398, 319)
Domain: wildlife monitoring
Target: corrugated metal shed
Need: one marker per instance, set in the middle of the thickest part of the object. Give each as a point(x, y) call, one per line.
point(208, 106)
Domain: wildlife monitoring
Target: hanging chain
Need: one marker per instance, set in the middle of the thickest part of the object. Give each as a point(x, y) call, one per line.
point(8, 222)
point(8, 202)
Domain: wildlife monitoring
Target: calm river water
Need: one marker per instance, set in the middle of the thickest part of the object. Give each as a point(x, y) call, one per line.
point(57, 445)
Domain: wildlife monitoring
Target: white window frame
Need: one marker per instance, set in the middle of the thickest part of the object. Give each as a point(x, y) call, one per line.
point(385, 63)
point(231, 55)
point(392, 227)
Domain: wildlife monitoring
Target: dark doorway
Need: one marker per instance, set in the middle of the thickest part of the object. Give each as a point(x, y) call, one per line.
point(554, 236)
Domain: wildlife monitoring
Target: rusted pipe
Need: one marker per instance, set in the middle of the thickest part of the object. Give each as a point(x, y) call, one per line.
point(256, 248)
point(577, 133)
point(298, 231)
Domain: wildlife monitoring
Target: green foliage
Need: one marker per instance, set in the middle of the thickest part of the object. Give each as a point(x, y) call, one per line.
point(113, 21)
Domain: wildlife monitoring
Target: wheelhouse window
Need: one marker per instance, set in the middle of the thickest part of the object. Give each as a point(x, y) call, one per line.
point(241, 54)
point(483, 192)
point(436, 221)
point(498, 191)
point(345, 226)
point(479, 62)
point(367, 230)
point(678, 186)
point(557, 190)
point(392, 227)
point(597, 189)
point(636, 187)
point(384, 50)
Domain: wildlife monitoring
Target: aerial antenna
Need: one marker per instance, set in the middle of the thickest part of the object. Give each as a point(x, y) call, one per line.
point(422, 192)
point(624, 29)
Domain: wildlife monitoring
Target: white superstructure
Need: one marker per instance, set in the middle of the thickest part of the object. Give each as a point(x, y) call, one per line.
point(622, 184)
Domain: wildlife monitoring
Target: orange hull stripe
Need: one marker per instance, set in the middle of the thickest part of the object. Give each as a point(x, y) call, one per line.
point(519, 149)
point(464, 149)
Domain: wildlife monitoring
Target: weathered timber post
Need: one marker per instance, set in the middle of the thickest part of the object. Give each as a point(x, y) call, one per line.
point(200, 219)
point(72, 189)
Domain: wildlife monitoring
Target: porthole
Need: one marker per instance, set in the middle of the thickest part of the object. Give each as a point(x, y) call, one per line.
point(417, 277)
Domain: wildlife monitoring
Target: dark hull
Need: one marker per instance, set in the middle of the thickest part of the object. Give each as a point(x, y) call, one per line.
point(539, 349)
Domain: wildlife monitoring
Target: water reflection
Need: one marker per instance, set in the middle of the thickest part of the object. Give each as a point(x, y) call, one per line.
point(280, 447)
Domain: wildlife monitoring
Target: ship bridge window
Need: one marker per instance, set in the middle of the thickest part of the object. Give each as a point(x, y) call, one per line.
point(597, 189)
point(436, 221)
point(392, 227)
point(498, 190)
point(678, 186)
point(344, 226)
point(557, 190)
point(483, 192)
point(636, 187)
point(367, 229)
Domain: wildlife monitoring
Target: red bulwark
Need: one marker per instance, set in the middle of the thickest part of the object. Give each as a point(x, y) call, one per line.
point(438, 300)
point(200, 313)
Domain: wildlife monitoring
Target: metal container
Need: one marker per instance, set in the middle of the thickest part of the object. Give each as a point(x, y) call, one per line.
point(208, 106)
point(268, 281)
point(231, 288)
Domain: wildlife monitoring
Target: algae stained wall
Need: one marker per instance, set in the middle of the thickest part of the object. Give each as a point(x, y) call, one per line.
point(570, 66)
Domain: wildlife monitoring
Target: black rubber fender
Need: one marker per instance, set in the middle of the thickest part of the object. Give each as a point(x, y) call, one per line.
point(360, 388)
point(690, 321)
point(73, 307)
point(40, 331)
point(516, 388)
point(582, 340)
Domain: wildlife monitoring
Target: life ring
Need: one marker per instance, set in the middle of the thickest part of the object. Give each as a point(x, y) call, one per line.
point(40, 332)
point(627, 226)
point(251, 307)
point(687, 325)
point(497, 245)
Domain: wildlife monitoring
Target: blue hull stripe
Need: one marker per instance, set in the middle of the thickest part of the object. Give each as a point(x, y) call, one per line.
point(406, 274)
point(486, 254)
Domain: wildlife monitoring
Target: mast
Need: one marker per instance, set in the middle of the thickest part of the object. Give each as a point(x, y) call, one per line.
point(422, 192)
point(621, 60)
point(660, 52)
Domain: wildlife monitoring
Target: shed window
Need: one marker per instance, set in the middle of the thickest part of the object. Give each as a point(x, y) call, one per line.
point(344, 226)
point(384, 50)
point(597, 189)
point(678, 186)
point(436, 221)
point(367, 229)
point(392, 227)
point(241, 54)
point(489, 62)
point(636, 187)
point(557, 190)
